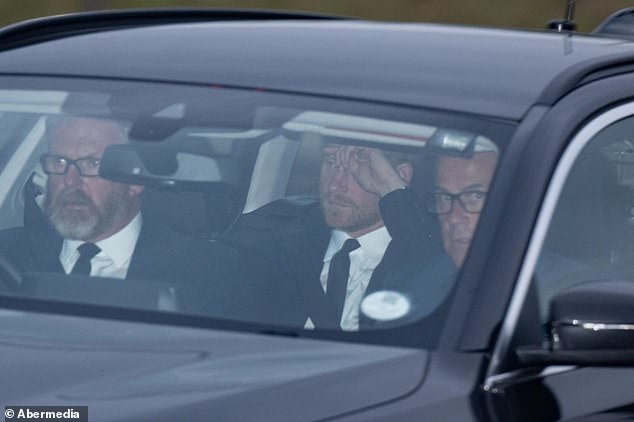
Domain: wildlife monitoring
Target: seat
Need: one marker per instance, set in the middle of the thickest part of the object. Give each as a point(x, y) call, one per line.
point(278, 219)
point(202, 215)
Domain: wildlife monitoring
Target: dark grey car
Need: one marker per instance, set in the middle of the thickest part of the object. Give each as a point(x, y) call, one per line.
point(227, 116)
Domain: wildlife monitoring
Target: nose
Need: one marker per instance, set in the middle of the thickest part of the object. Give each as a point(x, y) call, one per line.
point(72, 177)
point(339, 179)
point(457, 213)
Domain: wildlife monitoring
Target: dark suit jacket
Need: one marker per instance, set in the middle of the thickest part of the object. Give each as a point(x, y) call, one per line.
point(209, 278)
point(289, 255)
point(427, 286)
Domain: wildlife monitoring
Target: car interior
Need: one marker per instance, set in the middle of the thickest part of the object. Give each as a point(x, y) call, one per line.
point(208, 174)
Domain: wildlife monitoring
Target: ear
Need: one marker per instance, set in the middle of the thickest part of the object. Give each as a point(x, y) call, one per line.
point(405, 172)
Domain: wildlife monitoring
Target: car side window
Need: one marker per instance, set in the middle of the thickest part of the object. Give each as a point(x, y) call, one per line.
point(592, 228)
point(304, 177)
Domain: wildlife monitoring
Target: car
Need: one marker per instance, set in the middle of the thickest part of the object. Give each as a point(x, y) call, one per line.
point(511, 297)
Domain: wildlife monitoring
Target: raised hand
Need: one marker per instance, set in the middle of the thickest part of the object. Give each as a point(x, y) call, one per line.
point(372, 170)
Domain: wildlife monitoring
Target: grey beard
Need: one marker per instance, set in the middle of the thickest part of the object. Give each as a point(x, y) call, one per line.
point(75, 225)
point(89, 223)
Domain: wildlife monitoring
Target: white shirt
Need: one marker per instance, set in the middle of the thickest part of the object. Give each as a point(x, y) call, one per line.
point(363, 261)
point(116, 252)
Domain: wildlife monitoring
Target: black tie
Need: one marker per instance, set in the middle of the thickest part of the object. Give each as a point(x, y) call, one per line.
point(338, 275)
point(86, 252)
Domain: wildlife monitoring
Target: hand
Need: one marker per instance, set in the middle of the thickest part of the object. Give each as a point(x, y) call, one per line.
point(372, 170)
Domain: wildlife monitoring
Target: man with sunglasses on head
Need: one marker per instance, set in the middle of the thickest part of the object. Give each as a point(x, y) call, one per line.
point(95, 227)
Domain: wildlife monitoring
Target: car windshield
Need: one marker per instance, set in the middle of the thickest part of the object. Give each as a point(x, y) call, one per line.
point(234, 207)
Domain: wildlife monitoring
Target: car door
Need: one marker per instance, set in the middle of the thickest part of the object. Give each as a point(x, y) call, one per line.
point(584, 232)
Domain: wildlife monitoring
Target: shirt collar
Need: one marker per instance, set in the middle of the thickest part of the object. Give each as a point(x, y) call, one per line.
point(118, 247)
point(373, 244)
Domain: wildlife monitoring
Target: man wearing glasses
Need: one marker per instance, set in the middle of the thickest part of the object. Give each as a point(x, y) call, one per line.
point(95, 227)
point(461, 190)
point(459, 195)
point(94, 216)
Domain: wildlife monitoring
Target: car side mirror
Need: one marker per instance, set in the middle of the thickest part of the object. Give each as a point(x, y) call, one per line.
point(590, 324)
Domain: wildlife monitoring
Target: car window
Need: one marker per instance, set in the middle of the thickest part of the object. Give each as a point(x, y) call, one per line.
point(589, 238)
point(245, 198)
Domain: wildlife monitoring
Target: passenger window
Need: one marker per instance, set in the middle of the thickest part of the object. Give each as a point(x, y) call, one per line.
point(591, 235)
point(304, 177)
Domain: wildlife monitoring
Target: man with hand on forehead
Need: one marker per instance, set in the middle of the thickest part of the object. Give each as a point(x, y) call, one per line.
point(95, 227)
point(357, 236)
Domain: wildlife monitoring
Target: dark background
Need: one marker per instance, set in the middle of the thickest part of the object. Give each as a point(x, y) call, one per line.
point(507, 13)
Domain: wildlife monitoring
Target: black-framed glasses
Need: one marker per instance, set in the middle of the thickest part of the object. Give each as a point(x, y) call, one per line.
point(442, 202)
point(54, 164)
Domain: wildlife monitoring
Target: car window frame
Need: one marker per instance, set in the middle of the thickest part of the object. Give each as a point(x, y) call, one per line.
point(486, 289)
point(578, 142)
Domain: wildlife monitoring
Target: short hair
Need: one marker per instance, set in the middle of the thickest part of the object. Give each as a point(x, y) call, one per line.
point(57, 121)
point(397, 158)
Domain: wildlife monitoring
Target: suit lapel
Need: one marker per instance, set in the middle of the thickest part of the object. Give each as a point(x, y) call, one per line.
point(45, 246)
point(304, 255)
point(397, 254)
point(391, 260)
point(151, 255)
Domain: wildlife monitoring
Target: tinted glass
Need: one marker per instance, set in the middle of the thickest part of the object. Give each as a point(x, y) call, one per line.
point(232, 205)
point(589, 238)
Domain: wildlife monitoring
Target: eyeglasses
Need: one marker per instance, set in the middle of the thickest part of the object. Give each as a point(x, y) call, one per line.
point(442, 202)
point(54, 164)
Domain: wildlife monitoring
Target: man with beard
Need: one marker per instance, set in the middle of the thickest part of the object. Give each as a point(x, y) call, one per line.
point(94, 227)
point(335, 251)
point(364, 195)
point(83, 208)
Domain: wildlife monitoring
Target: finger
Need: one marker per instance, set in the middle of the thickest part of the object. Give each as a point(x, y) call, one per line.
point(350, 155)
point(363, 154)
point(342, 156)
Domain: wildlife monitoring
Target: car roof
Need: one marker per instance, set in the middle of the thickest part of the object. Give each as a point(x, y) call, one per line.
point(499, 73)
